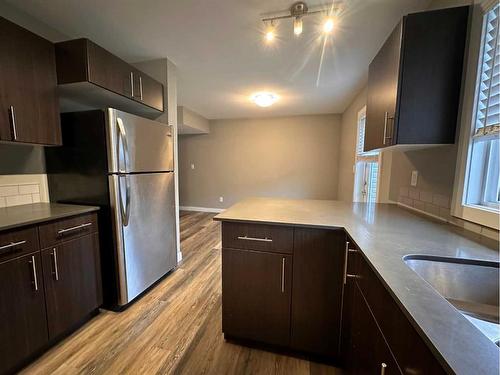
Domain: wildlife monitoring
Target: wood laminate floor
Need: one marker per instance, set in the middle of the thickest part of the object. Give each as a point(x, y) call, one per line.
point(173, 329)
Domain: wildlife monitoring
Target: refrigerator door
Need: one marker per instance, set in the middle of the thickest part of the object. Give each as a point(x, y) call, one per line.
point(136, 144)
point(144, 230)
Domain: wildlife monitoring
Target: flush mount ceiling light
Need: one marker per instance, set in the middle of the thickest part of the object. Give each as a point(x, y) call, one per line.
point(298, 11)
point(264, 99)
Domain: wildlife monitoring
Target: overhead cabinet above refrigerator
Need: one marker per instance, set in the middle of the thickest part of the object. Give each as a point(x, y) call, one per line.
point(414, 81)
point(90, 75)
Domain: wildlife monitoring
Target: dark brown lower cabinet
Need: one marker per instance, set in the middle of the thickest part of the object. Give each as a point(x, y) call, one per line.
point(45, 294)
point(256, 296)
point(318, 270)
point(370, 353)
point(23, 320)
point(71, 287)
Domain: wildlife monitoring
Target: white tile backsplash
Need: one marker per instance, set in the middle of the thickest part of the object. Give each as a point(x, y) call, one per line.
point(29, 189)
point(24, 189)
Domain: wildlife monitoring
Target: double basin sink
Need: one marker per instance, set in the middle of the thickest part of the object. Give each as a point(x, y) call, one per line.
point(471, 286)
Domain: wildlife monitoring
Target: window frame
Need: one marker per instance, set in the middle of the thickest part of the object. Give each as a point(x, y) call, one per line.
point(365, 157)
point(483, 215)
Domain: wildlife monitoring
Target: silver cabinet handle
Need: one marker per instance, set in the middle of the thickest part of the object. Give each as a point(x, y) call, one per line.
point(132, 84)
point(386, 120)
point(33, 269)
point(347, 251)
point(11, 245)
point(56, 268)
point(283, 275)
point(140, 87)
point(345, 263)
point(383, 366)
point(66, 230)
point(386, 116)
point(246, 238)
point(12, 112)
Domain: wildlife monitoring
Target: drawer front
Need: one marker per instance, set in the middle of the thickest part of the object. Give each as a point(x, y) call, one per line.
point(259, 237)
point(18, 242)
point(56, 232)
point(411, 352)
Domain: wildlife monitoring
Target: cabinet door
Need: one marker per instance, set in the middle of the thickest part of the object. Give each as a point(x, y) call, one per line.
point(318, 271)
point(29, 107)
point(370, 353)
point(256, 295)
point(71, 282)
point(383, 77)
point(110, 72)
point(148, 91)
point(23, 325)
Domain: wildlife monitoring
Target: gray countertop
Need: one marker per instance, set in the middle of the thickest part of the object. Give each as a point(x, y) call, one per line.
point(26, 214)
point(385, 233)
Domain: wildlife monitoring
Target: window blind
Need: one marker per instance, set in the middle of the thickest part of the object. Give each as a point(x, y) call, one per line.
point(488, 101)
point(361, 136)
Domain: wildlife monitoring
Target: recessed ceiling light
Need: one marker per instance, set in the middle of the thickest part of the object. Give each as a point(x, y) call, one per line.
point(264, 99)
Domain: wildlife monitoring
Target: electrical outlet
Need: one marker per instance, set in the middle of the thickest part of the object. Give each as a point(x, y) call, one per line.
point(221, 199)
point(192, 165)
point(414, 178)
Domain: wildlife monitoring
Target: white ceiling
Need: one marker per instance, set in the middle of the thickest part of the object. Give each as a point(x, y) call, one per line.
point(218, 49)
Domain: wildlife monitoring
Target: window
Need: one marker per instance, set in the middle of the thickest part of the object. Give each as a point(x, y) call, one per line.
point(483, 177)
point(366, 168)
point(480, 197)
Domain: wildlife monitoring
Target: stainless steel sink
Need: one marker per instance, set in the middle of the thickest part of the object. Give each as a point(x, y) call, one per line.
point(472, 286)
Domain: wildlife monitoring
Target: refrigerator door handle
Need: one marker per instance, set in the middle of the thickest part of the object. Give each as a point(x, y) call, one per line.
point(122, 138)
point(124, 208)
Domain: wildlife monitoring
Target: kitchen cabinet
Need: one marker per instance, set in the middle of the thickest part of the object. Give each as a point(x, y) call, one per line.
point(414, 81)
point(318, 269)
point(71, 282)
point(282, 286)
point(45, 294)
point(370, 352)
point(93, 75)
point(256, 292)
point(29, 106)
point(376, 331)
point(22, 310)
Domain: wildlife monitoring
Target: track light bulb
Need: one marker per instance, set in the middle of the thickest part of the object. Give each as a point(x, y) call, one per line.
point(297, 26)
point(328, 25)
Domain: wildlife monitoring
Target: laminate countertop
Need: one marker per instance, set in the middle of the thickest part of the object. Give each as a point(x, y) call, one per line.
point(386, 233)
point(27, 214)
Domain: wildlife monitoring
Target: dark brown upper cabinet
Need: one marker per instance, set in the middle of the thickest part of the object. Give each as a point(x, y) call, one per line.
point(89, 74)
point(29, 107)
point(414, 81)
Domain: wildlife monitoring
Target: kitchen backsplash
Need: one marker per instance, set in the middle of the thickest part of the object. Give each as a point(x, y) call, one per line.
point(23, 189)
point(438, 205)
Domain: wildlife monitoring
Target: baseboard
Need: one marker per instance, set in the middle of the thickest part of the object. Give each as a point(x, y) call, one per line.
point(201, 209)
point(423, 212)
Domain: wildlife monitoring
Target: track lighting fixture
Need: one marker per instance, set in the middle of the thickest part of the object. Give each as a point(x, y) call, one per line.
point(298, 11)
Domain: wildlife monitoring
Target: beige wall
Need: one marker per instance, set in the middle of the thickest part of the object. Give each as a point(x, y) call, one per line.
point(349, 129)
point(295, 157)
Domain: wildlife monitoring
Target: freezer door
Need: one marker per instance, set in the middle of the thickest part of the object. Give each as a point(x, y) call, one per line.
point(144, 230)
point(136, 144)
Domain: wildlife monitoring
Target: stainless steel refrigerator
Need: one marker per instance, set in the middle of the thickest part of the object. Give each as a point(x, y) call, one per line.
point(124, 164)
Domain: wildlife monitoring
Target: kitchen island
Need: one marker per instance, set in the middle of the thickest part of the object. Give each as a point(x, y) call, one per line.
point(383, 235)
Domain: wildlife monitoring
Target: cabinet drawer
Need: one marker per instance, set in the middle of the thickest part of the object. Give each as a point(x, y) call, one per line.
point(18, 242)
point(56, 232)
point(259, 237)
